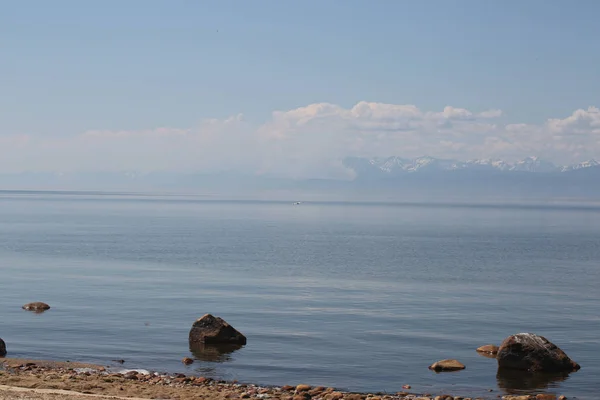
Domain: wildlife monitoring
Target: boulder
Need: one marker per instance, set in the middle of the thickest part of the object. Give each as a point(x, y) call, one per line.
point(447, 365)
point(37, 306)
point(530, 352)
point(2, 348)
point(214, 330)
point(488, 349)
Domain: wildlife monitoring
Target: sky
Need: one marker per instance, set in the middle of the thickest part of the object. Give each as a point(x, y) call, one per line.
point(292, 87)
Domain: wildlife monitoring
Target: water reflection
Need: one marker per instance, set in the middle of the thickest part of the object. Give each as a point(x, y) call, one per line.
point(213, 353)
point(517, 382)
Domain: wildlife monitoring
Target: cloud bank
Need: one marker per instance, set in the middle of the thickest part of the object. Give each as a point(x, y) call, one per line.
point(309, 142)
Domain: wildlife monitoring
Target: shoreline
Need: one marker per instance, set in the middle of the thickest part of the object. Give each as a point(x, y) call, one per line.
point(47, 379)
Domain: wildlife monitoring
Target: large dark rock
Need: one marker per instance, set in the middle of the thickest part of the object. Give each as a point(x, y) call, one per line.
point(530, 352)
point(37, 306)
point(2, 348)
point(214, 330)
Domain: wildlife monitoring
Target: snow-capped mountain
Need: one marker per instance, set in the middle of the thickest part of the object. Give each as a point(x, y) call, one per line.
point(533, 164)
point(581, 165)
point(392, 166)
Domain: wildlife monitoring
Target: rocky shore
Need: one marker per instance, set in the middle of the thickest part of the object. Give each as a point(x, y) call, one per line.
point(40, 380)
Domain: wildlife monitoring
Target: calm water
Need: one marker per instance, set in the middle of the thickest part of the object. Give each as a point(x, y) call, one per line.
point(356, 296)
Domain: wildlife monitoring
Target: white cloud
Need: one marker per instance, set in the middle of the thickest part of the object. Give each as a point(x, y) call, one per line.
point(310, 141)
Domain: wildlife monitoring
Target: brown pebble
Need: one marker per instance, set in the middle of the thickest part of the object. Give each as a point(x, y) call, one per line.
point(544, 396)
point(287, 388)
point(354, 396)
point(302, 388)
point(302, 396)
point(406, 386)
point(447, 365)
point(562, 397)
point(187, 361)
point(317, 390)
point(334, 396)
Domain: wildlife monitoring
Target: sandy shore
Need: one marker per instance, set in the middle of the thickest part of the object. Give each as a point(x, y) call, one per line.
point(51, 380)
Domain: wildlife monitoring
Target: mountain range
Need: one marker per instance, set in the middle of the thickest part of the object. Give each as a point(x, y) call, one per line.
point(397, 166)
point(387, 178)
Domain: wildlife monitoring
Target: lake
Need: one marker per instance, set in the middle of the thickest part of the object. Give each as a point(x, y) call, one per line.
point(360, 296)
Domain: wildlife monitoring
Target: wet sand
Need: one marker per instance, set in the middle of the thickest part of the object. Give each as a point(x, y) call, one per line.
point(51, 380)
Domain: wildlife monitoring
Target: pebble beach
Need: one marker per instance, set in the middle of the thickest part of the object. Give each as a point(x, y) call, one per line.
point(40, 380)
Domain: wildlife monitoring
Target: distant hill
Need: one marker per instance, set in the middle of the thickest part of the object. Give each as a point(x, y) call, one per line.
point(390, 178)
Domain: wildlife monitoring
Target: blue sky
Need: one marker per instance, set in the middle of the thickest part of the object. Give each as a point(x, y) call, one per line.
point(70, 67)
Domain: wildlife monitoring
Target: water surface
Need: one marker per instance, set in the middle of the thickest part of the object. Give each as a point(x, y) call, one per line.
point(358, 296)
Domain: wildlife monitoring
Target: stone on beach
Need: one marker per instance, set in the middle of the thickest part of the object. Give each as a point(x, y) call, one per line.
point(37, 306)
point(488, 349)
point(2, 348)
point(447, 365)
point(530, 352)
point(214, 330)
point(302, 388)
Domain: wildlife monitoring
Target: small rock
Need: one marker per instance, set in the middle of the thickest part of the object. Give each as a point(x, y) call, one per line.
point(214, 330)
point(561, 397)
point(187, 361)
point(2, 348)
point(447, 365)
point(406, 386)
point(527, 351)
point(545, 396)
point(334, 396)
point(317, 390)
point(287, 388)
point(302, 388)
point(132, 375)
point(302, 396)
point(354, 396)
point(488, 349)
point(36, 306)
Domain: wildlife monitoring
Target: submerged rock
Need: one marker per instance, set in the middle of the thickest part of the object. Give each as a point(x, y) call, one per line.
point(2, 348)
point(36, 306)
point(214, 330)
point(187, 361)
point(488, 349)
point(530, 352)
point(447, 365)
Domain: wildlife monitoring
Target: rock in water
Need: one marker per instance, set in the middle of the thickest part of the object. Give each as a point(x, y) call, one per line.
point(2, 348)
point(37, 306)
point(488, 349)
point(447, 365)
point(214, 330)
point(527, 351)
